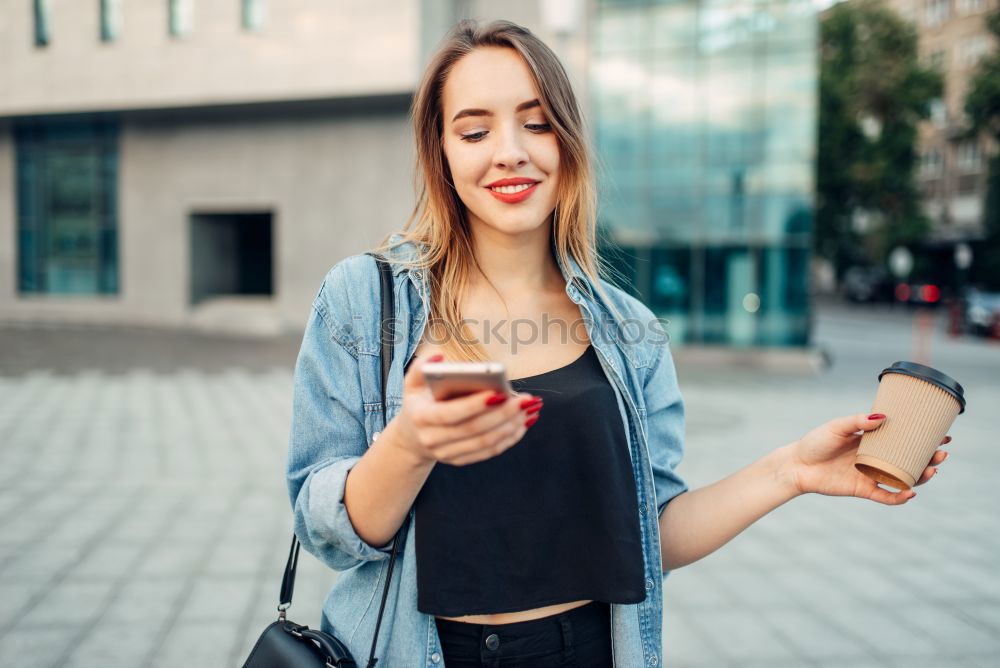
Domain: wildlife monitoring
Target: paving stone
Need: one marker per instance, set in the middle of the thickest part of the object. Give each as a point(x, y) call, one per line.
point(822, 581)
point(744, 636)
point(35, 647)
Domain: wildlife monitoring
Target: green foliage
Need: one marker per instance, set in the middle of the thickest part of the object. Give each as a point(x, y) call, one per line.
point(982, 105)
point(869, 69)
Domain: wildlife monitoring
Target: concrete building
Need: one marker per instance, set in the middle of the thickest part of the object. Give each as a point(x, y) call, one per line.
point(201, 165)
point(952, 172)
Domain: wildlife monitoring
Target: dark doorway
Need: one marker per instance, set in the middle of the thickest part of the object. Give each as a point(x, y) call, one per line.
point(231, 254)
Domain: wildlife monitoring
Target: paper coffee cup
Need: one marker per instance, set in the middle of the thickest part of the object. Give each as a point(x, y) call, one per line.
point(920, 404)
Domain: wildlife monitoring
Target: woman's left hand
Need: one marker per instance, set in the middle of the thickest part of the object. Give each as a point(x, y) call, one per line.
point(822, 461)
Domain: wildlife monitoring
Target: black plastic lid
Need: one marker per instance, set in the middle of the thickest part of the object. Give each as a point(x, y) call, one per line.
point(931, 375)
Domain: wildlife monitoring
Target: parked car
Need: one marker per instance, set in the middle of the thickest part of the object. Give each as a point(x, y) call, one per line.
point(981, 315)
point(923, 294)
point(867, 285)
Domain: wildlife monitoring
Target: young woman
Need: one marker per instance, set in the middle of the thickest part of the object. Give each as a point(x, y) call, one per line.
point(538, 527)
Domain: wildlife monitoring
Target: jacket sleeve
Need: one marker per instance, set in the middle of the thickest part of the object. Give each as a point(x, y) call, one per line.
point(327, 438)
point(665, 427)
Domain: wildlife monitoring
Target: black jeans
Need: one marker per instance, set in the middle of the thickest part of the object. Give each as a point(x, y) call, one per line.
point(580, 637)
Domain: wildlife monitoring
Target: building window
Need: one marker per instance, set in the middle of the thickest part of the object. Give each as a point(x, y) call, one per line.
point(939, 113)
point(931, 163)
point(41, 12)
point(111, 20)
point(180, 16)
point(67, 222)
point(935, 12)
point(971, 6)
point(253, 14)
point(969, 156)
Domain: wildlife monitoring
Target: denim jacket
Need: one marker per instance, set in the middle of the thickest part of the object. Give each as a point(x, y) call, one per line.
point(337, 411)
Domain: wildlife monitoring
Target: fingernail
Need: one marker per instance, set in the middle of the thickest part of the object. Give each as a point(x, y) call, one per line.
point(533, 401)
point(876, 416)
point(533, 409)
point(530, 421)
point(946, 455)
point(436, 358)
point(947, 439)
point(495, 399)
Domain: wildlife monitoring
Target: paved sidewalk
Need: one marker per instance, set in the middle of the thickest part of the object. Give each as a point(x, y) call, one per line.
point(142, 505)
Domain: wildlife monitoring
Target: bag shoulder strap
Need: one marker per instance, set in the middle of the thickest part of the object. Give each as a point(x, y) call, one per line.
point(386, 334)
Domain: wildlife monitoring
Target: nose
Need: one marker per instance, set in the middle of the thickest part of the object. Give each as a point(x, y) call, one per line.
point(510, 150)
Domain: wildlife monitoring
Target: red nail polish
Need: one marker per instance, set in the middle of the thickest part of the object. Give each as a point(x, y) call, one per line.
point(533, 409)
point(530, 421)
point(495, 399)
point(876, 416)
point(534, 401)
point(436, 358)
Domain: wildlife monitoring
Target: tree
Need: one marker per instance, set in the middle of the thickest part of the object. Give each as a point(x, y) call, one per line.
point(873, 93)
point(982, 106)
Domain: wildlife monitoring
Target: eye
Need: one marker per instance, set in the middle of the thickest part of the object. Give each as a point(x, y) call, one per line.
point(534, 127)
point(474, 137)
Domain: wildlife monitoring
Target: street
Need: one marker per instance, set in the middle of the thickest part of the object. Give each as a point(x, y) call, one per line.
point(144, 518)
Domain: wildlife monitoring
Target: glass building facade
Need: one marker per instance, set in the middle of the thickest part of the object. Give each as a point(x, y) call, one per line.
point(67, 205)
point(705, 120)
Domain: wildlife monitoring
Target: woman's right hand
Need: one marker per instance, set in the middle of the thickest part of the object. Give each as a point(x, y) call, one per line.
point(463, 430)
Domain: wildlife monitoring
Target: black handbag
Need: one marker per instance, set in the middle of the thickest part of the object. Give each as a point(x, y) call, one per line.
point(285, 644)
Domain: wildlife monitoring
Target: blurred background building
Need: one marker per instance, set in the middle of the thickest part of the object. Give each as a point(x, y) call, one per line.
point(705, 116)
point(953, 39)
point(202, 164)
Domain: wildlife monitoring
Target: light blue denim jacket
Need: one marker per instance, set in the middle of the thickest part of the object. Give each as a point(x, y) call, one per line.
point(337, 410)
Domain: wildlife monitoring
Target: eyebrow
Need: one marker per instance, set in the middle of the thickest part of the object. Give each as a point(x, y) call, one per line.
point(484, 112)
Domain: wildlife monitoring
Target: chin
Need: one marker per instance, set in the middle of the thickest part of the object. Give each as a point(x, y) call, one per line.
point(516, 224)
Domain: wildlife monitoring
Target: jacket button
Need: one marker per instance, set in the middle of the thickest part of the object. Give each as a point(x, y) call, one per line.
point(492, 641)
point(642, 508)
point(435, 657)
point(650, 584)
point(653, 660)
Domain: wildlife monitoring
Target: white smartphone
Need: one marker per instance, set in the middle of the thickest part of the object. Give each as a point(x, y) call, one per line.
point(448, 380)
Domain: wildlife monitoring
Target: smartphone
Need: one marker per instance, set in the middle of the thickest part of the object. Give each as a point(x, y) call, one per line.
point(448, 380)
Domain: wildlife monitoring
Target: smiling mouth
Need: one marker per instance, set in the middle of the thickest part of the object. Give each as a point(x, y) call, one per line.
point(513, 194)
point(512, 190)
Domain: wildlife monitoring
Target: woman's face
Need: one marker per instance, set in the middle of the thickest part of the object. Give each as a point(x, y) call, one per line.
point(495, 129)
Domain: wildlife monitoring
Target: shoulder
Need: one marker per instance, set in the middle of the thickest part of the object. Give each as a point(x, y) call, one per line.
point(640, 334)
point(346, 296)
point(627, 304)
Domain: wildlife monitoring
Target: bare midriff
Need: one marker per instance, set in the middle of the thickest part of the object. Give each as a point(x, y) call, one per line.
point(519, 616)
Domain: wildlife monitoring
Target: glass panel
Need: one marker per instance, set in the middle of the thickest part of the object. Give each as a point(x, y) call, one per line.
point(784, 313)
point(253, 14)
point(706, 118)
point(41, 14)
point(676, 106)
point(111, 19)
point(180, 17)
point(619, 29)
point(66, 207)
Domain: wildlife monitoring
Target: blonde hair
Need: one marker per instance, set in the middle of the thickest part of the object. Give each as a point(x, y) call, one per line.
point(438, 226)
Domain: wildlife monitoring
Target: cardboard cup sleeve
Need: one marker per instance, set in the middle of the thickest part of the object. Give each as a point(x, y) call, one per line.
point(920, 404)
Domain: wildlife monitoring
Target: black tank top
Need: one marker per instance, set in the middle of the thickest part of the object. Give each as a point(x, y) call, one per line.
point(552, 519)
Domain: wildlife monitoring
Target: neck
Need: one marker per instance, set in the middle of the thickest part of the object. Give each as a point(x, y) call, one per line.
point(515, 264)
